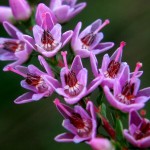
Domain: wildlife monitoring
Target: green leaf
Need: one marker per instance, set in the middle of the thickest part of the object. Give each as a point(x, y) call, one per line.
point(119, 130)
point(103, 110)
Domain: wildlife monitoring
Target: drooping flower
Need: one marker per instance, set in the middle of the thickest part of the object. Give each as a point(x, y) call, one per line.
point(34, 82)
point(14, 48)
point(65, 10)
point(100, 144)
point(20, 9)
point(126, 95)
point(111, 68)
point(6, 14)
point(48, 37)
point(138, 133)
point(80, 123)
point(89, 39)
point(73, 85)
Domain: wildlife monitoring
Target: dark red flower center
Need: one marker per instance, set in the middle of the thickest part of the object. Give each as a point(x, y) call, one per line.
point(73, 87)
point(128, 90)
point(83, 126)
point(13, 46)
point(70, 79)
point(88, 39)
point(77, 121)
point(113, 69)
point(33, 79)
point(143, 131)
point(48, 41)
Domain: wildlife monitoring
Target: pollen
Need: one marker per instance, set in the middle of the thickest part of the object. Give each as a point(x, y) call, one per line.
point(48, 42)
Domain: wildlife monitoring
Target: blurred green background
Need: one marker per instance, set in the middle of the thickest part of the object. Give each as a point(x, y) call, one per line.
point(33, 126)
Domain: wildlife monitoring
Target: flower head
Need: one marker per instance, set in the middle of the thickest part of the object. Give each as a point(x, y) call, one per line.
point(138, 133)
point(14, 48)
point(80, 123)
point(34, 82)
point(111, 68)
point(6, 14)
point(65, 10)
point(89, 39)
point(48, 37)
point(20, 9)
point(73, 85)
point(126, 95)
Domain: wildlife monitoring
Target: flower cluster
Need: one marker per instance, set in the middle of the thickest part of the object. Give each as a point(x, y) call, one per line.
point(68, 77)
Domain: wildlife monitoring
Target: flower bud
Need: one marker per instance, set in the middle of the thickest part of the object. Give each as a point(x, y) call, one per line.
point(20, 9)
point(100, 144)
point(6, 14)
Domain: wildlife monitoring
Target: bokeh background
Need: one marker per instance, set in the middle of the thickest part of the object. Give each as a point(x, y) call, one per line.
point(33, 126)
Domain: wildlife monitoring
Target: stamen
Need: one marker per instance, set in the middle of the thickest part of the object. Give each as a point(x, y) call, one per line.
point(122, 44)
point(64, 55)
point(48, 42)
point(9, 68)
point(59, 104)
point(102, 26)
point(138, 66)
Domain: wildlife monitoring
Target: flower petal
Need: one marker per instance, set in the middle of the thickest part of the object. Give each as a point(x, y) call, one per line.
point(25, 98)
point(65, 137)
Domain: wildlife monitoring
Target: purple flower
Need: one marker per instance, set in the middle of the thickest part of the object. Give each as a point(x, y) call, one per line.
point(6, 14)
point(100, 144)
point(111, 68)
point(138, 133)
point(81, 124)
point(41, 10)
point(34, 82)
point(48, 38)
point(14, 48)
point(73, 85)
point(126, 95)
point(20, 9)
point(65, 10)
point(89, 39)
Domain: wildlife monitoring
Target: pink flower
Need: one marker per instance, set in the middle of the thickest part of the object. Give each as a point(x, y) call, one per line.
point(15, 48)
point(100, 144)
point(89, 39)
point(65, 10)
point(80, 123)
point(126, 95)
point(138, 133)
point(73, 85)
point(6, 14)
point(111, 68)
point(20, 9)
point(34, 82)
